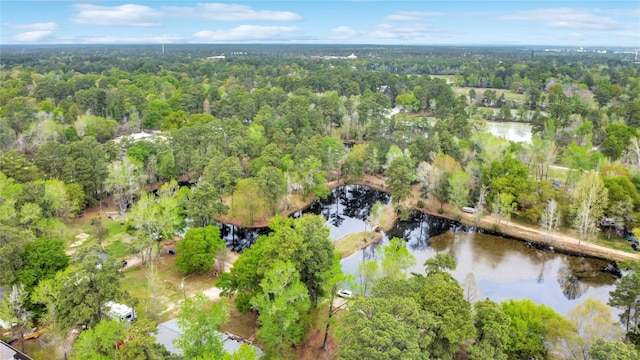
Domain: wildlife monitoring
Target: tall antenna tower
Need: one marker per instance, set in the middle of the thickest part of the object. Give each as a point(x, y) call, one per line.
point(162, 48)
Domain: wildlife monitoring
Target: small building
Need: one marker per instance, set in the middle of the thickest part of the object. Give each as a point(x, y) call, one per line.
point(8, 352)
point(169, 330)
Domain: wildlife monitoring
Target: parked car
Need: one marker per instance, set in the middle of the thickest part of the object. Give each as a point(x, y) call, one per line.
point(346, 294)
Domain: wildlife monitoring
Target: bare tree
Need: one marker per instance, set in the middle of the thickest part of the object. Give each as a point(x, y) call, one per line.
point(124, 181)
point(221, 259)
point(550, 220)
point(471, 289)
point(590, 198)
point(13, 309)
point(482, 200)
point(632, 156)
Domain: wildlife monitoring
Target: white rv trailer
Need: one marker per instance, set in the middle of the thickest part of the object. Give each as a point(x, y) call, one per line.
point(120, 312)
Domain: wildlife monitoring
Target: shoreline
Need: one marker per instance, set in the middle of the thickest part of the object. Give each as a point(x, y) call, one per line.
point(560, 241)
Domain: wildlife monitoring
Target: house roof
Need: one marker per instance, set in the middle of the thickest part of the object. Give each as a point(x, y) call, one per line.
point(169, 330)
point(8, 352)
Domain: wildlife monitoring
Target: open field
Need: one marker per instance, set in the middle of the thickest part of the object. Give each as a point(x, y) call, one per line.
point(508, 94)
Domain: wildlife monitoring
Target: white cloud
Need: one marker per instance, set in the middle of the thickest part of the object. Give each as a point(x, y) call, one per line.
point(135, 39)
point(246, 33)
point(48, 26)
point(32, 36)
point(229, 12)
point(413, 31)
point(566, 18)
point(635, 12)
point(577, 36)
point(344, 33)
point(123, 15)
point(631, 34)
point(412, 15)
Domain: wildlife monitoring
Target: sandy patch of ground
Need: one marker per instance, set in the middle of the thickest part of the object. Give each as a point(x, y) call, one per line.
point(82, 237)
point(212, 293)
point(133, 260)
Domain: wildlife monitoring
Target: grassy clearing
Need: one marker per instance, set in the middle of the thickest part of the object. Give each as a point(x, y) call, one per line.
point(508, 94)
point(614, 243)
point(242, 325)
point(353, 242)
point(116, 240)
point(169, 292)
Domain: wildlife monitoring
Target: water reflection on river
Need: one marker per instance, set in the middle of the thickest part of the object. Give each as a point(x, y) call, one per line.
point(502, 268)
point(510, 130)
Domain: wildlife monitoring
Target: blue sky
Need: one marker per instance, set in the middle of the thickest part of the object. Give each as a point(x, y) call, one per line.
point(508, 22)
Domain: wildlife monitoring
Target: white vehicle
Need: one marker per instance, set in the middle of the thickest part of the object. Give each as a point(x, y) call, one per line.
point(120, 312)
point(345, 293)
point(469, 210)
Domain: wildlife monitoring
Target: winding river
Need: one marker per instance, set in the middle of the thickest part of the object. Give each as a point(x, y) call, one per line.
point(501, 268)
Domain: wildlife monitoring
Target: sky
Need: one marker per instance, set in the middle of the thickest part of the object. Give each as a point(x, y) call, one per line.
point(509, 22)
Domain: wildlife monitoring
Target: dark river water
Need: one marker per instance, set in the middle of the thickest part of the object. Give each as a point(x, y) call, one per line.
point(502, 268)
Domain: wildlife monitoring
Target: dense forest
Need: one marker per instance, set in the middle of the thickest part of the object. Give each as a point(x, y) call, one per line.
point(172, 138)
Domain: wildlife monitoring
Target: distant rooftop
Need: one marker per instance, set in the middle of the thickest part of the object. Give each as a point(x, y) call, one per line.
point(8, 352)
point(169, 330)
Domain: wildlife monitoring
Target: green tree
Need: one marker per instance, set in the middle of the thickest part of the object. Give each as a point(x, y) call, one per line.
point(282, 306)
point(529, 326)
point(440, 190)
point(439, 264)
point(198, 249)
point(369, 273)
point(492, 328)
point(590, 199)
point(317, 263)
point(99, 342)
point(204, 204)
point(199, 320)
point(77, 295)
point(155, 218)
point(626, 297)
point(124, 181)
point(272, 185)
point(247, 204)
point(167, 169)
point(42, 259)
point(443, 299)
point(458, 189)
point(503, 205)
point(15, 165)
point(591, 321)
point(609, 350)
point(243, 280)
point(508, 176)
point(304, 242)
point(244, 352)
point(397, 259)
point(385, 328)
point(400, 177)
point(331, 288)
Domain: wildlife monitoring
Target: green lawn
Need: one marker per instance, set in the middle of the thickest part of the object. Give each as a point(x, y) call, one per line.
point(351, 243)
point(508, 94)
point(169, 292)
point(614, 243)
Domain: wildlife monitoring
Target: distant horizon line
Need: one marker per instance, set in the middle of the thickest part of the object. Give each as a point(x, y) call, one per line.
point(331, 44)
